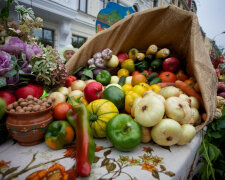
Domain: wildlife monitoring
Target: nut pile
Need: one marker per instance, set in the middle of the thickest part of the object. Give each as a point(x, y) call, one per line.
point(30, 104)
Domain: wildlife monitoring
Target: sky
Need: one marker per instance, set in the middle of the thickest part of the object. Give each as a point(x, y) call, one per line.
point(211, 15)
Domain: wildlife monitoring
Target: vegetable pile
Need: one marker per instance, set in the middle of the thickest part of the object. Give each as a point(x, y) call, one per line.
point(128, 98)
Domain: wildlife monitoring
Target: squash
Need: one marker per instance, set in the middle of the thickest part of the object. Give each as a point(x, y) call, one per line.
point(100, 112)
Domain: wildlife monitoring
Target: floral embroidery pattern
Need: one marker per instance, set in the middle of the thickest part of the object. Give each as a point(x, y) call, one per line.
point(148, 162)
point(56, 172)
point(114, 167)
point(3, 165)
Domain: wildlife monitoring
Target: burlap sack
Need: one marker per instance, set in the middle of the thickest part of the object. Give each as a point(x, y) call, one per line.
point(169, 27)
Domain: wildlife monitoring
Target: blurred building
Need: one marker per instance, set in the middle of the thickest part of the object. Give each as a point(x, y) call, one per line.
point(73, 21)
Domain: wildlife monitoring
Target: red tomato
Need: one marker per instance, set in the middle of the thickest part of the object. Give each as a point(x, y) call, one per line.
point(60, 110)
point(168, 77)
point(69, 80)
point(145, 73)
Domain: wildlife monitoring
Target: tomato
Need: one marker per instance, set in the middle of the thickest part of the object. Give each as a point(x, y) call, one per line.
point(69, 80)
point(60, 110)
point(146, 73)
point(138, 78)
point(168, 77)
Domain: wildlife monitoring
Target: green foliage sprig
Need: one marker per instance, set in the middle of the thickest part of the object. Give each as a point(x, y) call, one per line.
point(211, 151)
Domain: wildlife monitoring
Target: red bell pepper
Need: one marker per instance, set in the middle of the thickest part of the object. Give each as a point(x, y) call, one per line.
point(69, 80)
point(85, 142)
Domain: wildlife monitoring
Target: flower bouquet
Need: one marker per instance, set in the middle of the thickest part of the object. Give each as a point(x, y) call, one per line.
point(22, 60)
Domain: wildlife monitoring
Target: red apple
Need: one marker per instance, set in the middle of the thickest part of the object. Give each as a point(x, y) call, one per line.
point(23, 92)
point(8, 97)
point(171, 64)
point(122, 57)
point(39, 89)
point(93, 91)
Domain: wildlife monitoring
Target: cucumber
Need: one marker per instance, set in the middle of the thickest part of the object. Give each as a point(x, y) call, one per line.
point(152, 76)
point(156, 80)
point(122, 80)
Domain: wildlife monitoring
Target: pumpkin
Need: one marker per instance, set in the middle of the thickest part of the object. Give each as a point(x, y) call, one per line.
point(100, 112)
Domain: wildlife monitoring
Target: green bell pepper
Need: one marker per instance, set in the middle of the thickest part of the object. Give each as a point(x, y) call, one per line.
point(59, 134)
point(123, 132)
point(103, 77)
point(141, 65)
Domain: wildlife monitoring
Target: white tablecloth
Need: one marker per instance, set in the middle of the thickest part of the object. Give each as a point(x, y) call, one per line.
point(147, 161)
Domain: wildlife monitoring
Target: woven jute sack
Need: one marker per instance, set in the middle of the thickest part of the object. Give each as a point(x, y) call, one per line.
point(169, 27)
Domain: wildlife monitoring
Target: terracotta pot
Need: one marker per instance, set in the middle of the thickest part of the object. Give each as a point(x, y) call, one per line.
point(28, 128)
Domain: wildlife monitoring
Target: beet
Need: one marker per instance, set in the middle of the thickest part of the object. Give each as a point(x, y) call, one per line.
point(79, 74)
point(96, 71)
point(113, 71)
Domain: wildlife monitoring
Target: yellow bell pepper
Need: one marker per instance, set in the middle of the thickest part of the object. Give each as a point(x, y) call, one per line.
point(129, 100)
point(156, 88)
point(139, 89)
point(144, 85)
point(127, 87)
point(122, 72)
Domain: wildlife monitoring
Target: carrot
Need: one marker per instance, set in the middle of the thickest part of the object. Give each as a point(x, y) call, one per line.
point(204, 116)
point(196, 87)
point(162, 85)
point(188, 90)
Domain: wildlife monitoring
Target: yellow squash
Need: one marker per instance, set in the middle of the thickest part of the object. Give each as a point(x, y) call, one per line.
point(100, 112)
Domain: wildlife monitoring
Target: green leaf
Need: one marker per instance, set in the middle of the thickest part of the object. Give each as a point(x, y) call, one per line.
point(4, 12)
point(215, 135)
point(11, 73)
point(223, 111)
point(221, 122)
point(84, 78)
point(88, 73)
point(78, 70)
point(2, 82)
point(213, 151)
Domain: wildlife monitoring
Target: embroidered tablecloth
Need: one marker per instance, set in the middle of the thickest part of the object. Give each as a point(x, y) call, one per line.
point(147, 161)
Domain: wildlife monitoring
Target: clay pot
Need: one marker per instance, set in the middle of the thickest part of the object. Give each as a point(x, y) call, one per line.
point(28, 128)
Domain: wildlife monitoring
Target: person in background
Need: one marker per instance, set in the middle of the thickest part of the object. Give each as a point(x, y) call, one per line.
point(67, 52)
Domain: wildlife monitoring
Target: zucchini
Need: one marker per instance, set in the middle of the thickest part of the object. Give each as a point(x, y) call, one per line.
point(156, 80)
point(122, 80)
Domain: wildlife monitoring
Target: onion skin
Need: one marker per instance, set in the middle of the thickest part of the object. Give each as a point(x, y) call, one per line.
point(145, 134)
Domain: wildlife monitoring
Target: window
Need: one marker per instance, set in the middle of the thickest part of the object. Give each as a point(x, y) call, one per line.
point(83, 5)
point(78, 41)
point(103, 3)
point(136, 8)
point(173, 1)
point(155, 3)
point(179, 4)
point(46, 36)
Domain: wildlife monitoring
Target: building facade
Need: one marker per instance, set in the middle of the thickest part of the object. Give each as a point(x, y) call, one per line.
point(73, 21)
